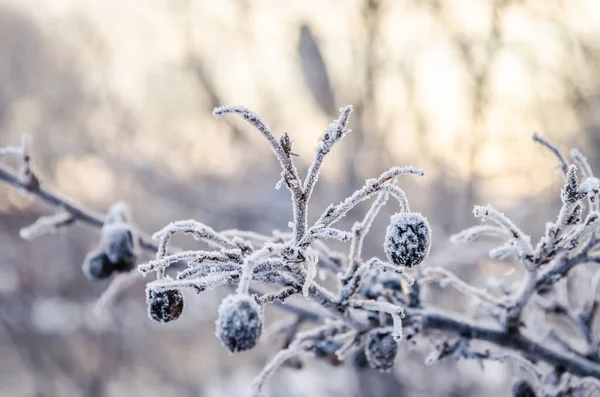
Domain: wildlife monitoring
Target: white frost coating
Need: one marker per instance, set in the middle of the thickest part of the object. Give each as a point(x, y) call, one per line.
point(334, 133)
point(248, 267)
point(475, 232)
point(46, 225)
point(196, 256)
point(190, 226)
point(589, 187)
point(445, 277)
point(119, 283)
point(522, 240)
point(395, 311)
point(282, 151)
point(209, 282)
point(119, 241)
point(240, 322)
point(335, 212)
point(582, 163)
point(322, 233)
point(311, 270)
point(407, 239)
point(302, 342)
point(583, 232)
point(11, 151)
point(504, 251)
point(354, 282)
point(205, 269)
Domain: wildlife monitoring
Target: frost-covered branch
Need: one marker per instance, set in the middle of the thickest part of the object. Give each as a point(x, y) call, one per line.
point(283, 153)
point(445, 277)
point(303, 342)
point(377, 300)
point(46, 225)
point(359, 231)
point(82, 215)
point(372, 186)
point(335, 132)
point(555, 150)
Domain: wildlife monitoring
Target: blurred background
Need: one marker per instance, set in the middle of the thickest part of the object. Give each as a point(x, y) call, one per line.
point(118, 98)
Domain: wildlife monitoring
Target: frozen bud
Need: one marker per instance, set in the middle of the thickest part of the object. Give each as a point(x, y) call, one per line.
point(240, 322)
point(381, 349)
point(522, 389)
point(407, 239)
point(164, 306)
point(96, 265)
point(118, 241)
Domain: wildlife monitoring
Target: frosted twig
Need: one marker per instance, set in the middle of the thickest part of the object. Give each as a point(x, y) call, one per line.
point(91, 218)
point(11, 151)
point(586, 171)
point(522, 240)
point(544, 142)
point(504, 251)
point(118, 284)
point(352, 284)
point(583, 233)
point(195, 256)
point(445, 277)
point(582, 163)
point(528, 287)
point(335, 212)
point(324, 233)
point(352, 339)
point(359, 231)
point(199, 230)
point(289, 175)
point(246, 234)
point(248, 267)
point(281, 295)
point(303, 342)
point(204, 269)
point(46, 225)
point(200, 284)
point(395, 311)
point(522, 364)
point(335, 132)
point(474, 232)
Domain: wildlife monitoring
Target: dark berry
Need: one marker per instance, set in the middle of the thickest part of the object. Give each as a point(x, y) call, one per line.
point(96, 265)
point(407, 239)
point(327, 349)
point(359, 359)
point(164, 306)
point(240, 322)
point(522, 389)
point(118, 241)
point(381, 349)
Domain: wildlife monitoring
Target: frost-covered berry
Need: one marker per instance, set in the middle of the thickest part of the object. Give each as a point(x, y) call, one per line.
point(164, 306)
point(118, 241)
point(240, 322)
point(96, 265)
point(522, 389)
point(407, 239)
point(381, 349)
